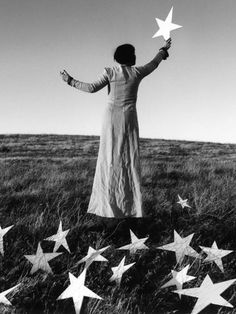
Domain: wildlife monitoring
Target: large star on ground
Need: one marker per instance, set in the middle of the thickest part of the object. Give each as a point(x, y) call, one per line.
point(119, 270)
point(2, 233)
point(59, 238)
point(93, 256)
point(181, 247)
point(77, 291)
point(165, 27)
point(3, 299)
point(215, 255)
point(136, 244)
point(179, 278)
point(40, 260)
point(207, 293)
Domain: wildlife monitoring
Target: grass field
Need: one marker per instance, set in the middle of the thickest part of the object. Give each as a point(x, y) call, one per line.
point(48, 178)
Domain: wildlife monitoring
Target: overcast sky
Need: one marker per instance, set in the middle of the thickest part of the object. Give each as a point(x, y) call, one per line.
point(191, 96)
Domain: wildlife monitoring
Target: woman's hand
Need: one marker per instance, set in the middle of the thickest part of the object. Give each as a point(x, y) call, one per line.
point(65, 76)
point(168, 44)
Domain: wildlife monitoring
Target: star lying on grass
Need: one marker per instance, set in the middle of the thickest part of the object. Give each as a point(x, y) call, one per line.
point(179, 278)
point(136, 244)
point(93, 256)
point(40, 260)
point(2, 233)
point(181, 247)
point(182, 202)
point(119, 270)
point(59, 238)
point(215, 255)
point(3, 299)
point(207, 293)
point(77, 291)
point(165, 27)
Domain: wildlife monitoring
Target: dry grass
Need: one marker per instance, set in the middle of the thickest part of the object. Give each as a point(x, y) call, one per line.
point(47, 178)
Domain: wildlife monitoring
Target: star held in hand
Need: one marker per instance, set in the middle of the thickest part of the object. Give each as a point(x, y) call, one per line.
point(119, 270)
point(77, 291)
point(181, 247)
point(179, 278)
point(136, 244)
point(207, 293)
point(215, 255)
point(165, 27)
point(40, 260)
point(2, 233)
point(183, 203)
point(3, 299)
point(93, 256)
point(59, 238)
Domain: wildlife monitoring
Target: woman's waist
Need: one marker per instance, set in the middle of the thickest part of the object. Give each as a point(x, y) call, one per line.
point(121, 102)
point(130, 107)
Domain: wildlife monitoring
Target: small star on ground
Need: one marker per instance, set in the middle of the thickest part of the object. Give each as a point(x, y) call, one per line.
point(136, 244)
point(40, 260)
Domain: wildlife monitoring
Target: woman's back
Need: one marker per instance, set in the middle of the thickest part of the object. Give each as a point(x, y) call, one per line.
point(123, 85)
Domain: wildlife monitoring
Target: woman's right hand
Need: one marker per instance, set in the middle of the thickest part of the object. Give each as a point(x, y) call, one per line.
point(168, 44)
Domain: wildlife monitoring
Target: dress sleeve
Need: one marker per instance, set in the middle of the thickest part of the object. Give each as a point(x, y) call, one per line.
point(93, 87)
point(152, 65)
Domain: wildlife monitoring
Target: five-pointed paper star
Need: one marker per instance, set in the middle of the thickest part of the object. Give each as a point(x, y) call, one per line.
point(93, 256)
point(136, 244)
point(3, 299)
point(2, 233)
point(215, 255)
point(181, 247)
point(183, 203)
point(40, 260)
point(179, 278)
point(59, 238)
point(119, 270)
point(165, 27)
point(77, 291)
point(207, 293)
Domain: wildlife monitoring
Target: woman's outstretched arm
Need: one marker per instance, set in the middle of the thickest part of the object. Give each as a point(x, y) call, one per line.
point(101, 82)
point(153, 64)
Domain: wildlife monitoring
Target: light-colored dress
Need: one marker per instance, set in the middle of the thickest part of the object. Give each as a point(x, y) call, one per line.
point(116, 190)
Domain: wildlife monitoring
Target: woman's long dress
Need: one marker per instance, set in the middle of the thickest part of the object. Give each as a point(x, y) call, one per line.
point(116, 190)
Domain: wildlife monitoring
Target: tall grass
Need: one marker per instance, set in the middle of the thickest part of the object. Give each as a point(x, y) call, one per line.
point(48, 178)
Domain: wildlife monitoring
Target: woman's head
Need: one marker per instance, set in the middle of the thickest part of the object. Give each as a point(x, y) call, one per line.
point(125, 54)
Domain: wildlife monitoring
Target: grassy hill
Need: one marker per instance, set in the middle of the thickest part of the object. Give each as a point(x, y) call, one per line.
point(48, 178)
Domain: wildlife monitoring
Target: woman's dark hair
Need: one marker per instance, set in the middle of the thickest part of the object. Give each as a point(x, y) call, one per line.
point(125, 54)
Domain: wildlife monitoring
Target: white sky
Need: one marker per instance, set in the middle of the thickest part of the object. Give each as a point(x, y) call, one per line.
point(191, 96)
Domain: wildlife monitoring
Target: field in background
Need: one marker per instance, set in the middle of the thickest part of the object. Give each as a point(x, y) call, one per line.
point(48, 178)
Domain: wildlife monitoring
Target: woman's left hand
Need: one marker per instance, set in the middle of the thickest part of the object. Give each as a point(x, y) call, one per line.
point(65, 76)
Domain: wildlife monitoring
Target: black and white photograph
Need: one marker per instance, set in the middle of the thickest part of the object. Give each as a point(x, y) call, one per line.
point(117, 157)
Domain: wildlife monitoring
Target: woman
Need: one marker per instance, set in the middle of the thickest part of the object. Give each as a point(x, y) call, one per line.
point(116, 191)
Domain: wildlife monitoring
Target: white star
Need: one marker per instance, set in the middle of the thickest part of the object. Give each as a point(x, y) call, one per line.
point(119, 270)
point(2, 233)
point(179, 278)
point(136, 244)
point(181, 247)
point(77, 291)
point(40, 260)
point(207, 293)
point(93, 256)
point(165, 27)
point(59, 238)
point(214, 254)
point(3, 299)
point(183, 203)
